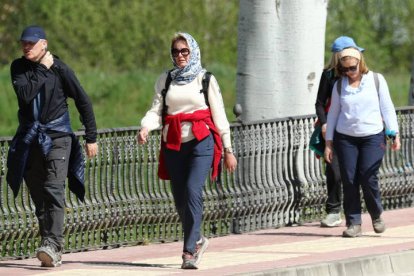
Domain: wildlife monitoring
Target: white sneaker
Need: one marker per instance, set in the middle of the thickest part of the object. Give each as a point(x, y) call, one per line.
point(48, 255)
point(331, 220)
point(201, 246)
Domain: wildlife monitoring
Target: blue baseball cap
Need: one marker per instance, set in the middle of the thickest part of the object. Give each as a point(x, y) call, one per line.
point(343, 42)
point(33, 34)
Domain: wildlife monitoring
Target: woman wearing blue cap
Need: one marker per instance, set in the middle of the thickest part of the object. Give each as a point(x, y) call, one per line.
point(333, 177)
point(361, 105)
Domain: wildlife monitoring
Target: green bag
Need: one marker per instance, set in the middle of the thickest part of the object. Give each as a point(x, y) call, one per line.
point(316, 142)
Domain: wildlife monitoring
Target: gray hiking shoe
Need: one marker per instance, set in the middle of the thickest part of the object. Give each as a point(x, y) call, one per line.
point(201, 246)
point(379, 225)
point(353, 231)
point(48, 255)
point(331, 220)
point(189, 261)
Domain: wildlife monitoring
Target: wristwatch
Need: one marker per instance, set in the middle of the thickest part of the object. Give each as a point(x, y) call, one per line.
point(228, 150)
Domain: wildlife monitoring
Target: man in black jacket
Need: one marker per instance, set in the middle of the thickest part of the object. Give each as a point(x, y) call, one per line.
point(45, 151)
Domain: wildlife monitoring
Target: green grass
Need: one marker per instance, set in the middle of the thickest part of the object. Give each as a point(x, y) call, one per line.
point(121, 99)
point(399, 85)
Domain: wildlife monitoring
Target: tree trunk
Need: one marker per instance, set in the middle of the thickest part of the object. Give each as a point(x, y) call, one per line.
point(280, 57)
point(411, 92)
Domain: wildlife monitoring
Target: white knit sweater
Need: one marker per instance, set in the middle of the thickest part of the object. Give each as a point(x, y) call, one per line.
point(188, 99)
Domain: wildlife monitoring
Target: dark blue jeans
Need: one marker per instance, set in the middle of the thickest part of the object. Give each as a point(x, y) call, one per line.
point(188, 170)
point(45, 177)
point(360, 159)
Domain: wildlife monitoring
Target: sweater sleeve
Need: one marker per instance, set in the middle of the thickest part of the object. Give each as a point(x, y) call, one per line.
point(26, 83)
point(333, 113)
point(82, 101)
point(322, 97)
point(218, 112)
point(386, 105)
point(153, 118)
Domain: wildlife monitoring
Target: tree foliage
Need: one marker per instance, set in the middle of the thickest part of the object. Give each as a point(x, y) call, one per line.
point(123, 35)
point(120, 34)
point(118, 47)
point(385, 28)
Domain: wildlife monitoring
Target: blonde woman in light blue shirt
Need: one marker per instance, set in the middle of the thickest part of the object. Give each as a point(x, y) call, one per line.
point(355, 130)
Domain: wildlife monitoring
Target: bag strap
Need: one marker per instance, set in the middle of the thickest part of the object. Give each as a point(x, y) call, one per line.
point(339, 86)
point(164, 94)
point(376, 80)
point(205, 84)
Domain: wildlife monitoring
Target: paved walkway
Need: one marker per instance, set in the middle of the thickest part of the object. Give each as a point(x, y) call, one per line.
point(299, 250)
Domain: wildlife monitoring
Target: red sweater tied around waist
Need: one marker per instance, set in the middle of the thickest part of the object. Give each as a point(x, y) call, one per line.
point(200, 119)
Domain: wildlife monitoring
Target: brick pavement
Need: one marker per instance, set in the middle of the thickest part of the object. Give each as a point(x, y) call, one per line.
point(298, 250)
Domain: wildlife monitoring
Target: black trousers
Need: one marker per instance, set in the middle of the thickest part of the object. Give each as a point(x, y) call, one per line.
point(334, 186)
point(45, 177)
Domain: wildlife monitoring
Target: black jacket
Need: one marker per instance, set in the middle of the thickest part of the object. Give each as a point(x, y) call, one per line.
point(326, 85)
point(59, 83)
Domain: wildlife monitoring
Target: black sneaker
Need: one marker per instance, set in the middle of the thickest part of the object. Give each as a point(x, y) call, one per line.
point(48, 255)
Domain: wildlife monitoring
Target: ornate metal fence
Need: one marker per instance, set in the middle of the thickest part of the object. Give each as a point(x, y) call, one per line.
point(278, 182)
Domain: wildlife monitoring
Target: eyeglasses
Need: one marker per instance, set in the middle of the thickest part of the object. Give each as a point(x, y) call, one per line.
point(350, 68)
point(176, 52)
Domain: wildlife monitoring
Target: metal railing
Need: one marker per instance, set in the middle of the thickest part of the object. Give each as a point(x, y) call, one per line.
point(278, 182)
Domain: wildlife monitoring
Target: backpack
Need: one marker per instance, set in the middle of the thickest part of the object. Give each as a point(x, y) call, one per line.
point(376, 80)
point(204, 83)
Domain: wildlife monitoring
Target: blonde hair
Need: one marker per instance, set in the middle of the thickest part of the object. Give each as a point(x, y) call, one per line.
point(178, 37)
point(363, 68)
point(333, 62)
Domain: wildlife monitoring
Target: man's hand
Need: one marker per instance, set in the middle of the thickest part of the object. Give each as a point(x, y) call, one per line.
point(47, 60)
point(91, 149)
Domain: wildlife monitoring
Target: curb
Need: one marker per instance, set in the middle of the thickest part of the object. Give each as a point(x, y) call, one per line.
point(385, 264)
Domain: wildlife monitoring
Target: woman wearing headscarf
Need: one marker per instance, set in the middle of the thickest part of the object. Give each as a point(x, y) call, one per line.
point(194, 133)
point(360, 109)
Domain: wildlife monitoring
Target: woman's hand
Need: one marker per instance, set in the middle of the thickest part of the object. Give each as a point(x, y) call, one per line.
point(396, 145)
point(142, 135)
point(230, 161)
point(323, 129)
point(328, 154)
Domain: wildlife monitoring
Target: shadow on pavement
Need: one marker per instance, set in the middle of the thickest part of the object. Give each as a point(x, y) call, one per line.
point(103, 263)
point(23, 266)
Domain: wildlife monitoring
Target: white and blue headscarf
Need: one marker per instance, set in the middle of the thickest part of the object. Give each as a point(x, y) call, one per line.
point(193, 68)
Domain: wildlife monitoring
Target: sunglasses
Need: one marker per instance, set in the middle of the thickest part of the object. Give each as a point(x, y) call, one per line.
point(176, 52)
point(350, 68)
